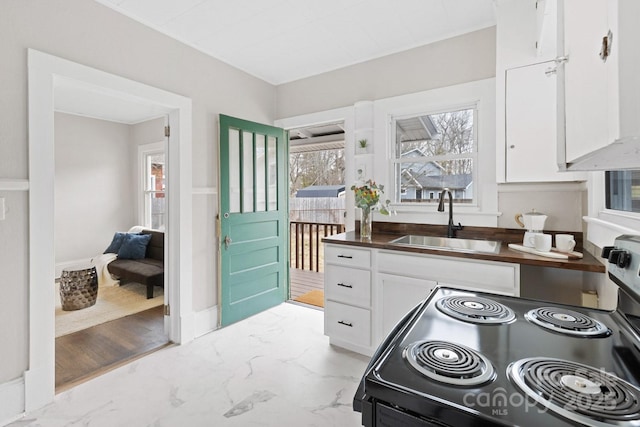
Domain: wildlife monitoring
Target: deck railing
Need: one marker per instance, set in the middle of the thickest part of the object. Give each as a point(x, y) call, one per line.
point(306, 244)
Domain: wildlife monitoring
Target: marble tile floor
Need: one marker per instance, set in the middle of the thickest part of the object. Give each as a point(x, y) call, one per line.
point(273, 369)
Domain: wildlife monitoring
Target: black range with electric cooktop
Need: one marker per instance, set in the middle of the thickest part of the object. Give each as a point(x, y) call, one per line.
point(464, 358)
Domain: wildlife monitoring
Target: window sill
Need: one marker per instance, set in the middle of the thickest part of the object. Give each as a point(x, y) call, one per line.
point(602, 231)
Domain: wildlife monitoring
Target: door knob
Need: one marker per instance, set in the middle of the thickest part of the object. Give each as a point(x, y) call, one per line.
point(227, 242)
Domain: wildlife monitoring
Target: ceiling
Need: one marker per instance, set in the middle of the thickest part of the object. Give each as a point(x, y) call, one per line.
point(280, 41)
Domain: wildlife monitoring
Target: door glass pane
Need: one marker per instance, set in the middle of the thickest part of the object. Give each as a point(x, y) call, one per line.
point(261, 191)
point(272, 173)
point(247, 172)
point(234, 171)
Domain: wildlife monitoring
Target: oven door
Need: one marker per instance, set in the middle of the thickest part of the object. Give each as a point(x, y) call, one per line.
point(386, 416)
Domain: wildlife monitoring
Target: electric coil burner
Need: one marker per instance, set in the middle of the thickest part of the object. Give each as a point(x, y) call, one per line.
point(565, 321)
point(584, 394)
point(449, 363)
point(464, 358)
point(475, 309)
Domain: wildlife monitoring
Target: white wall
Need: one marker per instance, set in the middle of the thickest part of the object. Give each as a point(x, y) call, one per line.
point(94, 195)
point(461, 59)
point(91, 34)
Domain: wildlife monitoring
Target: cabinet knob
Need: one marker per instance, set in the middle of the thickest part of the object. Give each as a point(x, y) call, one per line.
point(512, 146)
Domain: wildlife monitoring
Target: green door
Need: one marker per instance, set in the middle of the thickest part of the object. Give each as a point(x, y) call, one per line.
point(253, 218)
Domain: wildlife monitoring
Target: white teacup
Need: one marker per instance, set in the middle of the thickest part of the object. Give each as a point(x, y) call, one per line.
point(565, 242)
point(529, 239)
point(542, 242)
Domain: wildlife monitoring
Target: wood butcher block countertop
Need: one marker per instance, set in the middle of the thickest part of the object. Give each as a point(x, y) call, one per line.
point(384, 233)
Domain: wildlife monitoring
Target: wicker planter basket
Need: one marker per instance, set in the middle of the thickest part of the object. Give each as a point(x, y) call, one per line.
point(78, 288)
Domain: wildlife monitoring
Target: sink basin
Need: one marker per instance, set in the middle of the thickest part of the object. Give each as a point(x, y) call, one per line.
point(448, 244)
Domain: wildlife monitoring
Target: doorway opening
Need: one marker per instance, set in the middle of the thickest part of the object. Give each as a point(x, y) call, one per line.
point(46, 72)
point(316, 205)
point(97, 327)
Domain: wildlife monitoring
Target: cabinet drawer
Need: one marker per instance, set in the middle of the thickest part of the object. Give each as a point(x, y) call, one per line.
point(347, 323)
point(481, 275)
point(348, 285)
point(346, 255)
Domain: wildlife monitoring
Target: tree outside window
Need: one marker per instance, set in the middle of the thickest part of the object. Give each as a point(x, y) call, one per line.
point(433, 152)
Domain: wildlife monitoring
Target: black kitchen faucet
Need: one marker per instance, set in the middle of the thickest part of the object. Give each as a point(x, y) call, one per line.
point(451, 228)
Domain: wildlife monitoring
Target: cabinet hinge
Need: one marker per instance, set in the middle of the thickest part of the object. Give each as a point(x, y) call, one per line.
point(167, 131)
point(167, 310)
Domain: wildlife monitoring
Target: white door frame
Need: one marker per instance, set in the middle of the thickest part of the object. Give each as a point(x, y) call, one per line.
point(43, 70)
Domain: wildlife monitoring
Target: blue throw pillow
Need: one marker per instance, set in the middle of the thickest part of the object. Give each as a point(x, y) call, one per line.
point(115, 244)
point(134, 246)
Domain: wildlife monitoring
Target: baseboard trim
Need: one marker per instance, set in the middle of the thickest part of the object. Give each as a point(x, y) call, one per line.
point(12, 398)
point(206, 321)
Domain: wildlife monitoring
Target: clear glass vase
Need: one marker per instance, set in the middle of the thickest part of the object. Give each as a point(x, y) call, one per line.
point(365, 223)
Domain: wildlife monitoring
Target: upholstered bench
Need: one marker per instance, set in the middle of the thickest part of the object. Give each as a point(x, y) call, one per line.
point(149, 270)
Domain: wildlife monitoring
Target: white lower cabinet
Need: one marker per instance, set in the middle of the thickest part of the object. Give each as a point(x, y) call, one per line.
point(367, 291)
point(398, 296)
point(347, 297)
point(348, 324)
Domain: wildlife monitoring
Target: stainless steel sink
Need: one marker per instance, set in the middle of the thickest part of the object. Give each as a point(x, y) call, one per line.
point(449, 244)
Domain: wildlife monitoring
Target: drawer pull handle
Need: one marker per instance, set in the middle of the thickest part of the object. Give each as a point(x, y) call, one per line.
point(345, 256)
point(342, 322)
point(345, 286)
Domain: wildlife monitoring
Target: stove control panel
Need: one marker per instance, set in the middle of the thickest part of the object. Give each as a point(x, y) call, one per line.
point(624, 261)
point(617, 256)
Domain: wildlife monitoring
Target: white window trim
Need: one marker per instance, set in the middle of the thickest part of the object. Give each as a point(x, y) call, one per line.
point(604, 225)
point(396, 203)
point(481, 93)
point(143, 151)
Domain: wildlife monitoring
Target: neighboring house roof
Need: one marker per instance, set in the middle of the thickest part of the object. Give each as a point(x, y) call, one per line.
point(321, 191)
point(453, 182)
point(430, 175)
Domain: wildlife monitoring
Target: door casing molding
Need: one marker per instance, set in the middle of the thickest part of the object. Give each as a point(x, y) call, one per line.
point(43, 70)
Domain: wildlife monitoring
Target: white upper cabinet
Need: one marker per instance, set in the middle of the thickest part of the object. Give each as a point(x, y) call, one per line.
point(530, 117)
point(526, 90)
point(598, 84)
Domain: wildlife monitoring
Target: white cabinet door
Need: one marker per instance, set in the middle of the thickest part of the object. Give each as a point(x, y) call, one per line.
point(531, 125)
point(588, 86)
point(399, 295)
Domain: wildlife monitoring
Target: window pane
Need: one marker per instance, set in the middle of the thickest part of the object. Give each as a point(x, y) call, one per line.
point(247, 172)
point(623, 190)
point(261, 179)
point(433, 152)
point(234, 171)
point(272, 173)
point(155, 172)
point(154, 197)
point(435, 134)
point(423, 182)
point(158, 209)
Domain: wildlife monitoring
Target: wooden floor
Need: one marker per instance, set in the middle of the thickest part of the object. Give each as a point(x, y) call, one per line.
point(303, 281)
point(91, 352)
